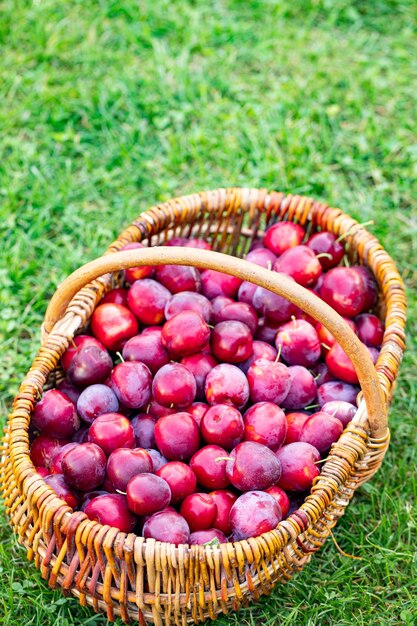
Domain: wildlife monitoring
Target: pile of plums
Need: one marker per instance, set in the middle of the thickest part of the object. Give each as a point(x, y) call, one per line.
point(197, 408)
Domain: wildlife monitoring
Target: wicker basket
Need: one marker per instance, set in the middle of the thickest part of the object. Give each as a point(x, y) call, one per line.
point(122, 574)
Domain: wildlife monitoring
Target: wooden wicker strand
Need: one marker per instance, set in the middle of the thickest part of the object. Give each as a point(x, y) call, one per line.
point(142, 580)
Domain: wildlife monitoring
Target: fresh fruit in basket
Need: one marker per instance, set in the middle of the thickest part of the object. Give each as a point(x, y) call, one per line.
point(201, 406)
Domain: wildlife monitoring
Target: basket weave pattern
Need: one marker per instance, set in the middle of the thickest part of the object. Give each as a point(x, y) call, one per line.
point(126, 575)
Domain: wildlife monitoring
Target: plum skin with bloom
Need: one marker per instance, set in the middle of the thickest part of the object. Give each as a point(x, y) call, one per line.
point(190, 458)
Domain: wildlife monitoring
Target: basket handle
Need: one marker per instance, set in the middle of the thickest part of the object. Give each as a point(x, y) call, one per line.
point(278, 283)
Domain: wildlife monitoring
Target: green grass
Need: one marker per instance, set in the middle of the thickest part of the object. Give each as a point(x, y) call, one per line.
point(108, 107)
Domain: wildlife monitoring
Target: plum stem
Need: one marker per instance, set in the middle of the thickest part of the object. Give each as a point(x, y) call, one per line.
point(311, 406)
point(279, 349)
point(72, 342)
point(223, 458)
point(119, 354)
point(324, 255)
point(325, 345)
